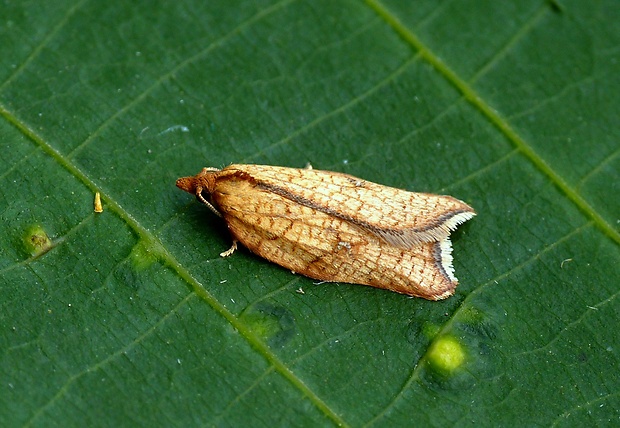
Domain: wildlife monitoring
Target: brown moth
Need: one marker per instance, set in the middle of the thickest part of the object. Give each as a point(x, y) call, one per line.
point(335, 227)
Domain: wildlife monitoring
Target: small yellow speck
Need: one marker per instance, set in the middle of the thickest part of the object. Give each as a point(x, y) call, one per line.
point(98, 206)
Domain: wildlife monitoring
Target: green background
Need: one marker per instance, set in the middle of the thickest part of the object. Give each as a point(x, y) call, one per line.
point(130, 317)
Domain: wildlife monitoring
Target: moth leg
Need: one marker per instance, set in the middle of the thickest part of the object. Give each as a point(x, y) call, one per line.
point(230, 250)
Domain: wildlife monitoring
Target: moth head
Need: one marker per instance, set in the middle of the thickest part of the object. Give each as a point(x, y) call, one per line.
point(188, 184)
point(203, 181)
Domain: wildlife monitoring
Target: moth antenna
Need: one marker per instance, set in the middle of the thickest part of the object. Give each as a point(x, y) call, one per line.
point(207, 203)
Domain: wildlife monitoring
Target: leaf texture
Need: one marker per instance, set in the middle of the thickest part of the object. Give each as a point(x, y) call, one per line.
point(129, 317)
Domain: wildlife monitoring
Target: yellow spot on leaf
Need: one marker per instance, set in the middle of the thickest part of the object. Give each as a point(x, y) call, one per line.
point(446, 354)
point(36, 241)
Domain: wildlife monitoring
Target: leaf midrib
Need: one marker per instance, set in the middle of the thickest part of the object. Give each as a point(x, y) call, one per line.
point(145, 235)
point(495, 118)
point(170, 260)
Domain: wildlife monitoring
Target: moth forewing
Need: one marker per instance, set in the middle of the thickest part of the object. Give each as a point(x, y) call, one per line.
point(334, 250)
point(401, 217)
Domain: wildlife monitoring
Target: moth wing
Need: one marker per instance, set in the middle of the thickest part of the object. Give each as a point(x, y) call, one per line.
point(401, 218)
point(328, 248)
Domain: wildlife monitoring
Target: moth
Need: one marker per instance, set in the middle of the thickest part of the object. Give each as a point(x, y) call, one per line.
point(335, 227)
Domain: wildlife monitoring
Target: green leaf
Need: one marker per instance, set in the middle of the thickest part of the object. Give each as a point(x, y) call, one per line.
point(130, 317)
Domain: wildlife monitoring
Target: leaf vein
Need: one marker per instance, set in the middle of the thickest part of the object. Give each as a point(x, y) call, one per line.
point(495, 118)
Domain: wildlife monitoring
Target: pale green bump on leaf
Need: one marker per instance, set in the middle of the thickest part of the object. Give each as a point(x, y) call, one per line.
point(273, 324)
point(430, 330)
point(145, 253)
point(36, 241)
point(261, 325)
point(471, 315)
point(446, 354)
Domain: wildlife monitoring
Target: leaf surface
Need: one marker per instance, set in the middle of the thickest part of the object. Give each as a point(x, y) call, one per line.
point(131, 318)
